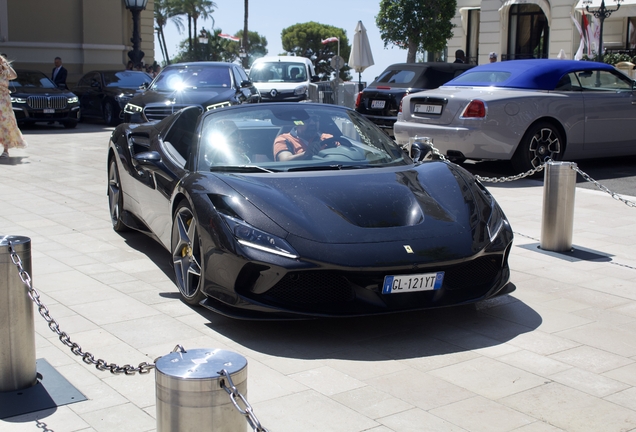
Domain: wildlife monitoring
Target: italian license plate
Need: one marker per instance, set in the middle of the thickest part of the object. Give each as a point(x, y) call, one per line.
point(428, 109)
point(411, 283)
point(377, 104)
point(49, 110)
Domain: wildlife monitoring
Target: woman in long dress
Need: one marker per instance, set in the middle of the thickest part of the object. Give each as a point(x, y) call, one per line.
point(10, 135)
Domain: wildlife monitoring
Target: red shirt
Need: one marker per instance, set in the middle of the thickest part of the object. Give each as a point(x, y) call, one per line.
point(292, 143)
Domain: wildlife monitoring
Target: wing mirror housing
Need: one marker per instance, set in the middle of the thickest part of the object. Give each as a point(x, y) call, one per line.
point(315, 78)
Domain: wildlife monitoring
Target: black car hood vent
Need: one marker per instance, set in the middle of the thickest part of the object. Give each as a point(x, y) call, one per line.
point(376, 206)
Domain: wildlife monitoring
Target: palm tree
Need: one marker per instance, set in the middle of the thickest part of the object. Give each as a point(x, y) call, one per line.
point(164, 11)
point(195, 9)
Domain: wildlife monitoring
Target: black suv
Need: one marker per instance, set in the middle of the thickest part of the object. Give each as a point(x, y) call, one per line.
point(205, 85)
point(380, 101)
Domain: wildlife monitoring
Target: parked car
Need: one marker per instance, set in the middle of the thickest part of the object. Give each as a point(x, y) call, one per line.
point(104, 94)
point(285, 79)
point(354, 228)
point(380, 101)
point(205, 85)
point(35, 98)
point(526, 111)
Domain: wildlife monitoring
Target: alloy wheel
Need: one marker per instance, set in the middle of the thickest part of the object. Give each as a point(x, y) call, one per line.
point(186, 255)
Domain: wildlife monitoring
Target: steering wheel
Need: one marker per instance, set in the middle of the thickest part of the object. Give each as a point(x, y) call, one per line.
point(331, 142)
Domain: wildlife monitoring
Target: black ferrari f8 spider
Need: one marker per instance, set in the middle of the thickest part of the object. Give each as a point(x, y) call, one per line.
point(286, 210)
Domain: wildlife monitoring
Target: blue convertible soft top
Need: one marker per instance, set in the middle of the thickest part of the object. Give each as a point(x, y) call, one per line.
point(538, 74)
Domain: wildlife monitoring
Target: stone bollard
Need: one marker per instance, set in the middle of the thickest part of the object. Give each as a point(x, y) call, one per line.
point(18, 369)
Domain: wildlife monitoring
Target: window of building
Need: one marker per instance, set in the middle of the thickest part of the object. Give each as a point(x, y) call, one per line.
point(528, 32)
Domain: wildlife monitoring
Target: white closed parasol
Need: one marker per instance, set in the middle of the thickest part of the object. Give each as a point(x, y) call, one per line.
point(361, 56)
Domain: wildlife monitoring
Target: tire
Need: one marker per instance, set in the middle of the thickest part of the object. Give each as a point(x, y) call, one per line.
point(110, 113)
point(70, 124)
point(541, 141)
point(186, 255)
point(115, 197)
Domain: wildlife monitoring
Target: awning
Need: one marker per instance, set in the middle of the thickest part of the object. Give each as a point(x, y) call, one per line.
point(543, 4)
point(627, 9)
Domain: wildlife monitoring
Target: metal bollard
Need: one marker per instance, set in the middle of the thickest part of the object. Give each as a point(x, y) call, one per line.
point(558, 206)
point(189, 393)
point(18, 369)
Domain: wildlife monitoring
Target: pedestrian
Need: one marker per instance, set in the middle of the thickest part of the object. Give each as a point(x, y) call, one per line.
point(58, 75)
point(10, 135)
point(493, 57)
point(156, 70)
point(460, 56)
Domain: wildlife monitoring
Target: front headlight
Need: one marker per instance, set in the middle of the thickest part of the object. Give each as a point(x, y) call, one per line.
point(217, 105)
point(132, 109)
point(17, 99)
point(300, 90)
point(254, 238)
point(73, 100)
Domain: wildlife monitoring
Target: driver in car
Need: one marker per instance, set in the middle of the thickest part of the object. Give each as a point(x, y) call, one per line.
point(302, 142)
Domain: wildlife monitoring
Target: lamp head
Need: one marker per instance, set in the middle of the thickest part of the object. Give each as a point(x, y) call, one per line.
point(136, 4)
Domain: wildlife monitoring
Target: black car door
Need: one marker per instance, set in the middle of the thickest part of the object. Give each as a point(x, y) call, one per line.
point(161, 168)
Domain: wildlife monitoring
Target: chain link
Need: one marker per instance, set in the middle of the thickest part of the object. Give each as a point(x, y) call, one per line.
point(235, 397)
point(437, 155)
point(88, 358)
point(528, 173)
point(603, 188)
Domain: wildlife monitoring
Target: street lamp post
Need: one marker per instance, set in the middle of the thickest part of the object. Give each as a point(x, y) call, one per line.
point(203, 41)
point(135, 7)
point(601, 14)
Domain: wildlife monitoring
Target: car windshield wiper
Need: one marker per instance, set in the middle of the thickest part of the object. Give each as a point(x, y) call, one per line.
point(329, 167)
point(241, 168)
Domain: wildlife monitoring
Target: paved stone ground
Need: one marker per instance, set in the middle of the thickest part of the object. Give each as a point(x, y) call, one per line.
point(557, 354)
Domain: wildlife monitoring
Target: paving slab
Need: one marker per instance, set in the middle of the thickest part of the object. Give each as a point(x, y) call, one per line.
point(558, 354)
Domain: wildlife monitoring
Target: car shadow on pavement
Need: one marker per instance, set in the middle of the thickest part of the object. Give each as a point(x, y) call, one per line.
point(82, 127)
point(398, 336)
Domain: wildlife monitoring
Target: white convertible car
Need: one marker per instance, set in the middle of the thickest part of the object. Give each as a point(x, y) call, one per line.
point(526, 111)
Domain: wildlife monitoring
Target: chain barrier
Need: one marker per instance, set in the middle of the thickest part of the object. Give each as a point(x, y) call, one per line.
point(435, 152)
point(603, 188)
point(235, 397)
point(87, 357)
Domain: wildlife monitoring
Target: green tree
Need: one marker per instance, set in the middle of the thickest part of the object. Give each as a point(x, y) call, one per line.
point(220, 49)
point(164, 10)
point(418, 25)
point(256, 47)
point(194, 10)
point(305, 40)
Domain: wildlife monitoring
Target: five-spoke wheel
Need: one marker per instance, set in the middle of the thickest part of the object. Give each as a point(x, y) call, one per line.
point(115, 197)
point(186, 255)
point(541, 142)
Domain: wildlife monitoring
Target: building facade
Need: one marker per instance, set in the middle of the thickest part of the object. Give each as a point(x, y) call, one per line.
point(86, 34)
point(518, 29)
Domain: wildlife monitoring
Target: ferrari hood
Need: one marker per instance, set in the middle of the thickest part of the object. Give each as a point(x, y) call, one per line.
point(370, 205)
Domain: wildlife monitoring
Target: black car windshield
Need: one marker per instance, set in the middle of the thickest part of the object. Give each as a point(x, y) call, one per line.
point(396, 76)
point(126, 79)
point(292, 137)
point(192, 77)
point(32, 79)
point(278, 72)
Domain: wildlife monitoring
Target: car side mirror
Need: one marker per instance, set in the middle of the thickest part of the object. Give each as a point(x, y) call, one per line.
point(246, 83)
point(95, 84)
point(422, 149)
point(144, 86)
point(314, 78)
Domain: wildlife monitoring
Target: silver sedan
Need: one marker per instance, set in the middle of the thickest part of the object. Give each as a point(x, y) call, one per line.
point(526, 111)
